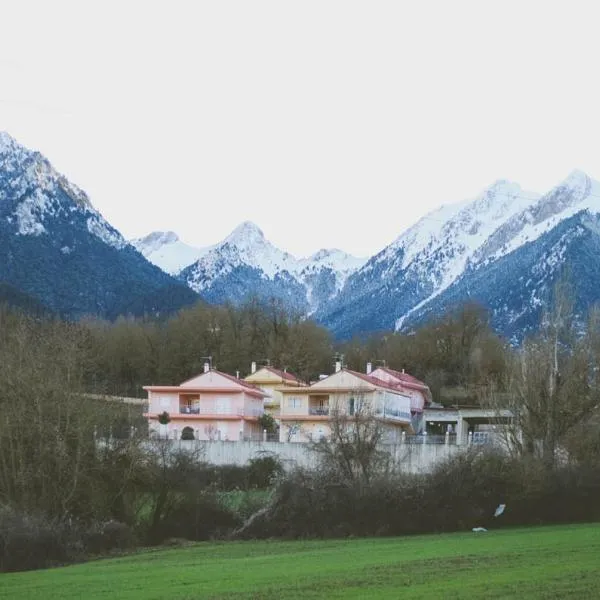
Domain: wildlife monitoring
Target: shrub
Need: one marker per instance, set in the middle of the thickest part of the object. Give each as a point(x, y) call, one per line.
point(267, 422)
point(187, 433)
point(35, 542)
point(457, 496)
point(196, 518)
point(110, 535)
point(263, 471)
point(164, 418)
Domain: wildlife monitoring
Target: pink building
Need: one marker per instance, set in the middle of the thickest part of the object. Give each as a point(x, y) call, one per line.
point(419, 392)
point(216, 406)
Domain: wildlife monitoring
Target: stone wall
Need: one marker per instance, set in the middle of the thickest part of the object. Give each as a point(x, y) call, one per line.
point(414, 458)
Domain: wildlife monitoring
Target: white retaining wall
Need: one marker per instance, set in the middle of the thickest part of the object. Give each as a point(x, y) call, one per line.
point(414, 458)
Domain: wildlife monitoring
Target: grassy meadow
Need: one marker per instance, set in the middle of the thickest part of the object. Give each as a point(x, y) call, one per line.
point(542, 562)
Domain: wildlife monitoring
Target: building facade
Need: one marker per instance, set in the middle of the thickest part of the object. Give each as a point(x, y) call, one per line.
point(273, 382)
point(214, 405)
point(307, 412)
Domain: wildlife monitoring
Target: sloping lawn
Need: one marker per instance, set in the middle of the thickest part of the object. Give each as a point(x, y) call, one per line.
point(544, 562)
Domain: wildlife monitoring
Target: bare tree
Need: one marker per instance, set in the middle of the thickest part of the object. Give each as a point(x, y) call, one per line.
point(352, 451)
point(552, 381)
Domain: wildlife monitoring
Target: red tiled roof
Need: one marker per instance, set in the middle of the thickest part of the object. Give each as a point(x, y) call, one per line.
point(241, 382)
point(406, 379)
point(373, 380)
point(283, 374)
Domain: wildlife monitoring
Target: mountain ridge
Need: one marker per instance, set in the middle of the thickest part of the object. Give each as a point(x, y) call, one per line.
point(430, 258)
point(246, 257)
point(59, 250)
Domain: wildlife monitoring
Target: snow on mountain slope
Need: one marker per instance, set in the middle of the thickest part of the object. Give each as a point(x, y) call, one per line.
point(324, 274)
point(517, 286)
point(56, 248)
point(253, 265)
point(247, 243)
point(245, 246)
point(457, 231)
point(167, 251)
point(33, 187)
point(455, 235)
point(577, 192)
point(433, 265)
point(337, 260)
point(422, 261)
point(526, 255)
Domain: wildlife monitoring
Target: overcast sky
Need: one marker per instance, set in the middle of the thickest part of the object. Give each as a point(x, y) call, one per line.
point(329, 124)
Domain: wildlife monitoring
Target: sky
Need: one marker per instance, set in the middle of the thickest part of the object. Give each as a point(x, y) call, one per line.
point(328, 124)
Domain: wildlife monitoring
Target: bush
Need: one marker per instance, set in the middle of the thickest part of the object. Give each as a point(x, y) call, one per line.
point(459, 495)
point(198, 518)
point(111, 535)
point(263, 471)
point(260, 473)
point(35, 542)
point(267, 422)
point(187, 433)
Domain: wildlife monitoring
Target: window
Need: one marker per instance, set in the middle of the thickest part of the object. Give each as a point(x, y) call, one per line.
point(294, 402)
point(223, 406)
point(356, 405)
point(165, 402)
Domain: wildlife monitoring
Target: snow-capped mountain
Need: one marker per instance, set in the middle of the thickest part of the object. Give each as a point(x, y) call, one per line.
point(165, 250)
point(246, 264)
point(514, 272)
point(38, 189)
point(504, 249)
point(438, 262)
point(58, 249)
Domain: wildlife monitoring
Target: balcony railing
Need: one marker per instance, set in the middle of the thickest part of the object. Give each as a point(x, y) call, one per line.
point(318, 411)
point(220, 410)
point(394, 413)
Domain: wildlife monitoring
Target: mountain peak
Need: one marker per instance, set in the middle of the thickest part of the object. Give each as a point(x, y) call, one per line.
point(503, 184)
point(160, 238)
point(246, 233)
point(6, 141)
point(576, 179)
point(323, 253)
point(35, 195)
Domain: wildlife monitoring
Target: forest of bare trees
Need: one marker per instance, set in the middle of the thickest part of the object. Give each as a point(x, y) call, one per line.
point(63, 494)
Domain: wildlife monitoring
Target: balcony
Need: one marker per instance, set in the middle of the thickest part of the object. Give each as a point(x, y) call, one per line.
point(396, 414)
point(220, 410)
point(318, 411)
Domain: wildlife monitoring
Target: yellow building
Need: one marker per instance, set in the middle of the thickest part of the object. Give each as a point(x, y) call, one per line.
point(306, 412)
point(273, 382)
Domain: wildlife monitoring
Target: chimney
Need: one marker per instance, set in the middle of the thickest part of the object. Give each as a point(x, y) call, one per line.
point(338, 366)
point(403, 370)
point(237, 374)
point(206, 367)
point(253, 367)
point(369, 368)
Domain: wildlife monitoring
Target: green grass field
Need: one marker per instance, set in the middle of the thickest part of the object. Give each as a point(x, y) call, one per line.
point(544, 562)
